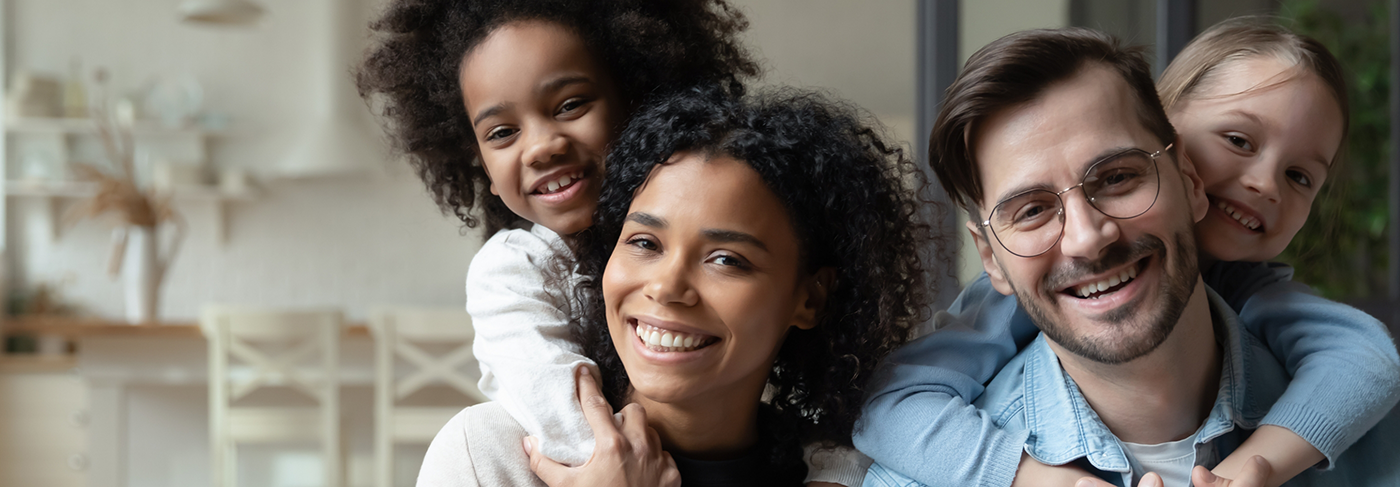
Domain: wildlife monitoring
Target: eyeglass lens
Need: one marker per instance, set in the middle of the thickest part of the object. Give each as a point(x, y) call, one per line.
point(1122, 186)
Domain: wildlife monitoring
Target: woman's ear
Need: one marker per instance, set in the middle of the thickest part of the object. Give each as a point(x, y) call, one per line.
point(817, 288)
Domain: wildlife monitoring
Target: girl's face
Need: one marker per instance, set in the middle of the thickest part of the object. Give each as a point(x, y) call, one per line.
point(1262, 137)
point(543, 111)
point(704, 284)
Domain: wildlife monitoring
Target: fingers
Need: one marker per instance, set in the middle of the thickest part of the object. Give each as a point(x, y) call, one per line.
point(672, 476)
point(1092, 482)
point(634, 426)
point(1201, 477)
point(547, 470)
point(1150, 480)
point(595, 407)
point(1255, 473)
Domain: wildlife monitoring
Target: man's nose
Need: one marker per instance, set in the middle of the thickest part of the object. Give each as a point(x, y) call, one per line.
point(1087, 230)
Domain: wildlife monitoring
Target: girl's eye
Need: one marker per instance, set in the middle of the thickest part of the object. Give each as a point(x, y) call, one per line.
point(1300, 177)
point(1240, 142)
point(571, 105)
point(644, 243)
point(500, 133)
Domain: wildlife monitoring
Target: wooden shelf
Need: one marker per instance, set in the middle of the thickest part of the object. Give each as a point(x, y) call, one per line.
point(33, 125)
point(35, 363)
point(80, 326)
point(79, 189)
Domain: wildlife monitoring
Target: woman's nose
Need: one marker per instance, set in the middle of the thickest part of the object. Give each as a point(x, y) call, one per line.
point(670, 284)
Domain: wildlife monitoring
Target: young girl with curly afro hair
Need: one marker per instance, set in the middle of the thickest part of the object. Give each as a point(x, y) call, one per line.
point(751, 260)
point(505, 109)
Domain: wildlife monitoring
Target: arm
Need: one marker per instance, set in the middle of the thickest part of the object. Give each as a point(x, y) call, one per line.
point(523, 345)
point(834, 466)
point(1345, 369)
point(919, 420)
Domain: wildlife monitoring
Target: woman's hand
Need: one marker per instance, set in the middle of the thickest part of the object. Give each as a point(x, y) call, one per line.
point(629, 455)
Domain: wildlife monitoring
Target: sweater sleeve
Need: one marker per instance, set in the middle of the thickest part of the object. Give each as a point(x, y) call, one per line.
point(1346, 372)
point(522, 342)
point(838, 465)
point(919, 419)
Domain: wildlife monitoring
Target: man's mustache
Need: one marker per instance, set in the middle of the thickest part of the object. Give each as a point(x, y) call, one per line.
point(1115, 256)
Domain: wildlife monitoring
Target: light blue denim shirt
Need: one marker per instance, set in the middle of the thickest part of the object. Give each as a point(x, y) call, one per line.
point(920, 418)
point(1033, 395)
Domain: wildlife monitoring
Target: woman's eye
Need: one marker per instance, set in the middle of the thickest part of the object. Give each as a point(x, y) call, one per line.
point(1240, 142)
point(1300, 178)
point(727, 260)
point(500, 133)
point(643, 243)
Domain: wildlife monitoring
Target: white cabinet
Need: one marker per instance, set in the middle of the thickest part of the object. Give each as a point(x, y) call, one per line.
point(43, 423)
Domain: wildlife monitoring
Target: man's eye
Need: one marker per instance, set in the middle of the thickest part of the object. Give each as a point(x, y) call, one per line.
point(1240, 142)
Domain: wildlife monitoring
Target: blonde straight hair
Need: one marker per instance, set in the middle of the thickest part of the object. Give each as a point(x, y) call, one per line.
point(1244, 38)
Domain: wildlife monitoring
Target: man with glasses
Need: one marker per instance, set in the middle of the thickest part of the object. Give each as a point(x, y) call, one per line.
point(1084, 210)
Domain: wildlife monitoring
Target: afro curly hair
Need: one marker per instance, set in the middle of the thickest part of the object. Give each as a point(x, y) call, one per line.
point(411, 74)
point(848, 194)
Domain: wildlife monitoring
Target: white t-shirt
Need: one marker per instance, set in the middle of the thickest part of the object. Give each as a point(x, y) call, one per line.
point(1172, 460)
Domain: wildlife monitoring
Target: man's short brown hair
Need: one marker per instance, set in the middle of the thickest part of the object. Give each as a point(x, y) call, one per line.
point(1014, 70)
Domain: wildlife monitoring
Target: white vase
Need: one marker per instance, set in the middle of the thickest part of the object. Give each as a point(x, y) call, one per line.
point(141, 274)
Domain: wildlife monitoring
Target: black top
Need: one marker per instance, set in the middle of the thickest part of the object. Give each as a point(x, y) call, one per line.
point(752, 469)
point(758, 467)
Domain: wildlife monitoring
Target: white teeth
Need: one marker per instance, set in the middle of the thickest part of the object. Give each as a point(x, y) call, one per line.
point(668, 341)
point(1248, 221)
point(563, 181)
point(553, 186)
point(1094, 287)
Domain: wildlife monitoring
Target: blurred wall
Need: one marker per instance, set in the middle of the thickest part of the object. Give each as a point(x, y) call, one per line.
point(349, 242)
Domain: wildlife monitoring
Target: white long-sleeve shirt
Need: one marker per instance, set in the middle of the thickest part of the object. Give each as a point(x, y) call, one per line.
point(528, 358)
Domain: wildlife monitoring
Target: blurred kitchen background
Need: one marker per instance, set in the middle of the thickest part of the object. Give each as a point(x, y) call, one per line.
point(275, 191)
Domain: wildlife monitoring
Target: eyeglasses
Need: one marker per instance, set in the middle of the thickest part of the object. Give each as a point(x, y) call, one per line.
point(1121, 186)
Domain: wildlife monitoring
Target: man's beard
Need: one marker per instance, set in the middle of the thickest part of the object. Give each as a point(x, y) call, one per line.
point(1120, 344)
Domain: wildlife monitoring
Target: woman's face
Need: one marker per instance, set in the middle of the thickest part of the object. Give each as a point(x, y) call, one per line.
point(704, 283)
point(543, 111)
point(1262, 138)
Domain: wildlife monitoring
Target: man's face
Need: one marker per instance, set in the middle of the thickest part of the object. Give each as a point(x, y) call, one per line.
point(1146, 265)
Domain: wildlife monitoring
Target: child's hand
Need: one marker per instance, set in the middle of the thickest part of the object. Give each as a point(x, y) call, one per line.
point(628, 455)
point(1031, 473)
point(1149, 480)
point(1255, 473)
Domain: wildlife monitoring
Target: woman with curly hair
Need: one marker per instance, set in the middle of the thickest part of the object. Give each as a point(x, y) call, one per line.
point(504, 108)
point(750, 261)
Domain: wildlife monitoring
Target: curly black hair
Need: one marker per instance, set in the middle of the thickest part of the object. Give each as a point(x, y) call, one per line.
point(411, 73)
point(847, 192)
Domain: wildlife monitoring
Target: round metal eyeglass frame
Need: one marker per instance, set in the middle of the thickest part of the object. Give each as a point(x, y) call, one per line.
point(1060, 213)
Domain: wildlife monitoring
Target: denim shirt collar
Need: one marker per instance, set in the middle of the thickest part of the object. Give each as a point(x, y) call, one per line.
point(1063, 428)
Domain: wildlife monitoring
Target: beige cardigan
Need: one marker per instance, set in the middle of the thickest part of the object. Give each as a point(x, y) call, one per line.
point(480, 446)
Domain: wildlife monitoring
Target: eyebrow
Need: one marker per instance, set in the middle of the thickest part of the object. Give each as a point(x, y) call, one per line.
point(1083, 168)
point(559, 83)
point(713, 234)
point(550, 86)
point(489, 112)
point(1241, 113)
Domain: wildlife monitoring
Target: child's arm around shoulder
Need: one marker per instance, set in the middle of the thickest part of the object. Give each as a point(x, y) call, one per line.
point(527, 358)
point(919, 420)
point(1345, 369)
